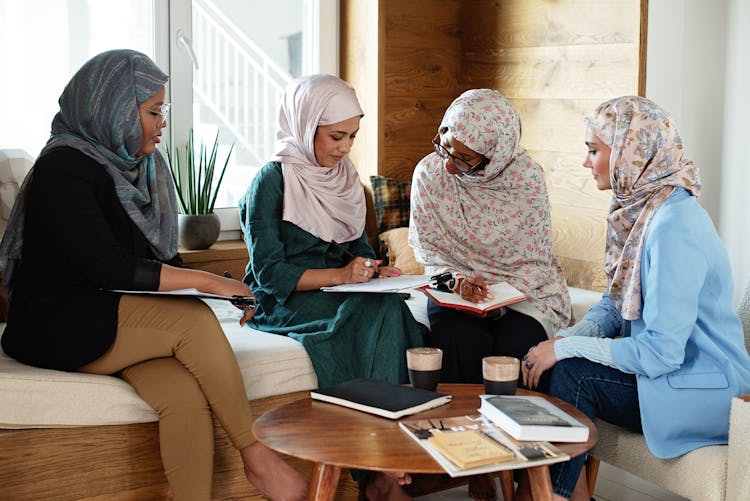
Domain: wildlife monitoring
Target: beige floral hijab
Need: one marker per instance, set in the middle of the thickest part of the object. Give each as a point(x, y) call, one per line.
point(497, 223)
point(646, 165)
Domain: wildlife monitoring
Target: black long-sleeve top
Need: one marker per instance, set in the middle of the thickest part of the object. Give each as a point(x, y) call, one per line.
point(78, 243)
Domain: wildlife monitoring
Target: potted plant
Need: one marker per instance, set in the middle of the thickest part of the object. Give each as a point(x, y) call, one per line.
point(198, 226)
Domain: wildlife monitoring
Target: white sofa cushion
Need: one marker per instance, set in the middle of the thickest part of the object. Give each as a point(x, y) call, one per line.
point(41, 398)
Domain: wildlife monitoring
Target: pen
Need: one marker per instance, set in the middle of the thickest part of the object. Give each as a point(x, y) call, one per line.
point(343, 249)
point(346, 251)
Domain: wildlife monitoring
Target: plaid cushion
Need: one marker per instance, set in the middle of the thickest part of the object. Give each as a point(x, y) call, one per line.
point(391, 200)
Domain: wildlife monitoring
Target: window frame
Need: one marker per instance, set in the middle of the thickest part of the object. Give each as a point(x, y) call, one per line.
point(321, 28)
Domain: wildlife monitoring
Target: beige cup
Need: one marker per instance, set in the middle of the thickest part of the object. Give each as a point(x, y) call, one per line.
point(424, 366)
point(500, 375)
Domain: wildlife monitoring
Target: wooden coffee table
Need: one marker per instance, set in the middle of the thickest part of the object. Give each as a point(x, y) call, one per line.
point(336, 438)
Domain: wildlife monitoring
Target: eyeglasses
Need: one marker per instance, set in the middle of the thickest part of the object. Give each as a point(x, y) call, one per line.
point(461, 165)
point(160, 113)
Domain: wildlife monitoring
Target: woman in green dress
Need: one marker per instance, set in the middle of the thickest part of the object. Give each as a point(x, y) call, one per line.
point(303, 220)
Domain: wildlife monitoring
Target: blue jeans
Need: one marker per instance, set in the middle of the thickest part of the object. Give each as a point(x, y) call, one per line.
point(599, 392)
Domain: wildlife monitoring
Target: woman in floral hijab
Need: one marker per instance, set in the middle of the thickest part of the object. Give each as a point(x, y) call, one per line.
point(479, 209)
point(663, 352)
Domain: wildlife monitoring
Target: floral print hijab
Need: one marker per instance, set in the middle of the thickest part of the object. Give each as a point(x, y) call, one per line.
point(496, 223)
point(645, 167)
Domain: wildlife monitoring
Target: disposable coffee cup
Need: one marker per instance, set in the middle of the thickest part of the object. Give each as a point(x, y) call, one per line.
point(424, 366)
point(500, 375)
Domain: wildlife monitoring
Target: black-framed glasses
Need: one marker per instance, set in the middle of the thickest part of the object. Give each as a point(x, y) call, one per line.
point(461, 165)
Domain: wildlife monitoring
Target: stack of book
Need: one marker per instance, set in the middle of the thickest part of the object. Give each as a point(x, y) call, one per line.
point(532, 418)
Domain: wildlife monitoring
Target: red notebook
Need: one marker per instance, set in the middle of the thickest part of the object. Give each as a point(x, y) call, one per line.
point(504, 295)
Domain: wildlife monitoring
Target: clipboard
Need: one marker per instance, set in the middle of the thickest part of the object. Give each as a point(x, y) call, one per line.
point(239, 301)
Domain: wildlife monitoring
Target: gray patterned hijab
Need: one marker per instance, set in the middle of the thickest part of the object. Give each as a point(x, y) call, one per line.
point(99, 117)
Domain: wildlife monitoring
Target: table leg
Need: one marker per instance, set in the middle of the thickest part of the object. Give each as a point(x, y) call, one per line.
point(323, 482)
point(541, 483)
point(506, 485)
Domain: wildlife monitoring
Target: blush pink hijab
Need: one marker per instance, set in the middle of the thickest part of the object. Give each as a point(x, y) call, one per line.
point(327, 202)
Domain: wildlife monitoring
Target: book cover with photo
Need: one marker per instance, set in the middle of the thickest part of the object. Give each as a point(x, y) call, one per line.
point(532, 418)
point(470, 445)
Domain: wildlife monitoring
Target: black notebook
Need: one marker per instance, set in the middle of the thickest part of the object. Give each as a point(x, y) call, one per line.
point(381, 398)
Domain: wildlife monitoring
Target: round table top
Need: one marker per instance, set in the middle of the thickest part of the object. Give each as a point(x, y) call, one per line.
point(338, 436)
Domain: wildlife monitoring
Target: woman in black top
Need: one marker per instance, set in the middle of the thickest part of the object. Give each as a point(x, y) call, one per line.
point(97, 213)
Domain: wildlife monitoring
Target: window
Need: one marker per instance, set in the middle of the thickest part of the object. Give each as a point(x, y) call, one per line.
point(44, 42)
point(228, 62)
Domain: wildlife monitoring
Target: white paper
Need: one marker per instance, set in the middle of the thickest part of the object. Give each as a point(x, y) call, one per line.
point(180, 292)
point(383, 284)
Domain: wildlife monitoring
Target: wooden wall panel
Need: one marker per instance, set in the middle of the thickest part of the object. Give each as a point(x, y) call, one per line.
point(554, 60)
point(561, 72)
point(361, 62)
point(538, 23)
point(421, 76)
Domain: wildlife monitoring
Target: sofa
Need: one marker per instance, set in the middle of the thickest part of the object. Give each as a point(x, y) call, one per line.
point(81, 436)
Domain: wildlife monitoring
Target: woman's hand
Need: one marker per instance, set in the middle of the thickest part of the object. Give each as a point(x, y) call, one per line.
point(389, 271)
point(472, 288)
point(359, 270)
point(231, 287)
point(173, 278)
point(539, 358)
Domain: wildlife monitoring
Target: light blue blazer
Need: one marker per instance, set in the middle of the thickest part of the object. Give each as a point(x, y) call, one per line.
point(687, 350)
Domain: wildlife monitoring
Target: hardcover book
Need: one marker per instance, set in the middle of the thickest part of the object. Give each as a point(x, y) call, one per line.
point(469, 445)
point(380, 397)
point(503, 294)
point(532, 418)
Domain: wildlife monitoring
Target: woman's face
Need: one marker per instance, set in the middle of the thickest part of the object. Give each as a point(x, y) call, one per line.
point(597, 159)
point(153, 120)
point(333, 142)
point(450, 149)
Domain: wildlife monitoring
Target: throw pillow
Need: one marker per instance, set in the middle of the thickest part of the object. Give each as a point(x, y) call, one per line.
point(399, 253)
point(391, 200)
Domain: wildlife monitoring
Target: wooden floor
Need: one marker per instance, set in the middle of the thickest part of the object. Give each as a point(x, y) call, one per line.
point(612, 485)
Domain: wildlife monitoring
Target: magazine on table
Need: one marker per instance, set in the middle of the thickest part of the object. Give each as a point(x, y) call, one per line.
point(470, 445)
point(526, 417)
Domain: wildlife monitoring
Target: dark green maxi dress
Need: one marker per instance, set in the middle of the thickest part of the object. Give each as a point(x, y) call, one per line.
point(347, 335)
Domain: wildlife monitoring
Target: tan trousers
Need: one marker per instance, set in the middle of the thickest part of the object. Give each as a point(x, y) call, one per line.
point(174, 353)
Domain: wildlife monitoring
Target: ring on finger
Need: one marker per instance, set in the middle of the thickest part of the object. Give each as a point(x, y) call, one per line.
point(368, 263)
point(528, 365)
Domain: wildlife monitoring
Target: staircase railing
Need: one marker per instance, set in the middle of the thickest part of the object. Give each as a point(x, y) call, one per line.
point(236, 80)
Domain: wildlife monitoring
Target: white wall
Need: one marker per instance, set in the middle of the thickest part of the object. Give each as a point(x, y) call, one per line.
point(697, 69)
point(734, 223)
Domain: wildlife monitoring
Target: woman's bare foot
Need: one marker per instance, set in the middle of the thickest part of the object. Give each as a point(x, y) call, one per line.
point(272, 475)
point(482, 488)
point(387, 486)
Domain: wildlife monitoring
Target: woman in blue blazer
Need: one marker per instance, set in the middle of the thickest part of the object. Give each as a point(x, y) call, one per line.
point(663, 352)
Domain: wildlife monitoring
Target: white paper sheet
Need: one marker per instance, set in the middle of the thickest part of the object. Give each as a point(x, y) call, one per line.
point(383, 284)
